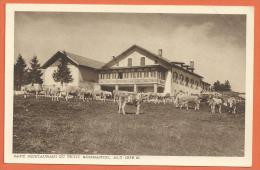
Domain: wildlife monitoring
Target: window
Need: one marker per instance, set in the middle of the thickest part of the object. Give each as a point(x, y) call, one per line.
point(129, 62)
point(125, 75)
point(114, 75)
point(139, 74)
point(187, 81)
point(191, 83)
point(134, 74)
point(155, 74)
point(146, 74)
point(163, 76)
point(196, 84)
point(142, 61)
point(120, 75)
point(155, 62)
point(181, 79)
point(117, 63)
point(175, 76)
point(108, 76)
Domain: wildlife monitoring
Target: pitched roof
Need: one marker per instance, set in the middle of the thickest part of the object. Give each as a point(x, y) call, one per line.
point(155, 56)
point(140, 49)
point(84, 61)
point(76, 59)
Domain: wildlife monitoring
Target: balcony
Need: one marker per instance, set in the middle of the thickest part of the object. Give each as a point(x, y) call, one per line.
point(132, 81)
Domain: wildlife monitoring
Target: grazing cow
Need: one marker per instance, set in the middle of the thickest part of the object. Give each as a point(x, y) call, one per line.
point(54, 92)
point(213, 102)
point(153, 97)
point(102, 95)
point(231, 103)
point(128, 98)
point(31, 89)
point(85, 94)
point(116, 94)
point(70, 91)
point(163, 97)
point(183, 100)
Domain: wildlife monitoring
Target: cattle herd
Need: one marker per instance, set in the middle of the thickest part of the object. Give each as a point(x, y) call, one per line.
point(214, 100)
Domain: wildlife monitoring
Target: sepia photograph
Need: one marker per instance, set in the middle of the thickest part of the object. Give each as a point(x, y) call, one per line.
point(128, 87)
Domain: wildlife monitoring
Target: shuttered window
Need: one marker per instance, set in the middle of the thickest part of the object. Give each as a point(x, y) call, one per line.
point(142, 61)
point(129, 62)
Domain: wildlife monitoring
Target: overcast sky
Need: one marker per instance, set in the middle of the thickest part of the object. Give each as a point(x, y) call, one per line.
point(215, 42)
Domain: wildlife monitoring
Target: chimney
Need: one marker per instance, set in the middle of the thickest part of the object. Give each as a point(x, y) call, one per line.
point(160, 52)
point(192, 65)
point(113, 57)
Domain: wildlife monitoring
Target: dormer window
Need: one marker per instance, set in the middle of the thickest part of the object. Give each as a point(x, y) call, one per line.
point(142, 61)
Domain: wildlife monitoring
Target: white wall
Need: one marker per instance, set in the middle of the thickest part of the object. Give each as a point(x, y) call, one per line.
point(168, 82)
point(136, 60)
point(49, 81)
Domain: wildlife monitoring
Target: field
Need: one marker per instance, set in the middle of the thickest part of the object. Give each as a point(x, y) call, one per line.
point(42, 126)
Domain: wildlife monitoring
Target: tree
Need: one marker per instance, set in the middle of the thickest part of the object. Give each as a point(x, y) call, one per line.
point(217, 86)
point(34, 74)
point(20, 73)
point(227, 86)
point(62, 74)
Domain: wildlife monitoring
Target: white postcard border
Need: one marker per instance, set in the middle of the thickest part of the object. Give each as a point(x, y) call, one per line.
point(9, 157)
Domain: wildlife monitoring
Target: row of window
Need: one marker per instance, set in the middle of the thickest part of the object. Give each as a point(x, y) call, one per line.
point(142, 62)
point(179, 78)
point(152, 74)
point(130, 62)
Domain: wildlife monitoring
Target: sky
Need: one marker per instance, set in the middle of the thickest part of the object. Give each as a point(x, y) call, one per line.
point(215, 42)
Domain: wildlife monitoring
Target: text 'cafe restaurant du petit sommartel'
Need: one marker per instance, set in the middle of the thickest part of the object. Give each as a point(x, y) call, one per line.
point(135, 69)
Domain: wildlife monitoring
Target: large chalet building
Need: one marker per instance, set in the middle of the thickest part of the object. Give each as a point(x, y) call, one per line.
point(135, 69)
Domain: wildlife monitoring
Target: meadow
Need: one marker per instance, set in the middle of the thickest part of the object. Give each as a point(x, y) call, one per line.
point(45, 127)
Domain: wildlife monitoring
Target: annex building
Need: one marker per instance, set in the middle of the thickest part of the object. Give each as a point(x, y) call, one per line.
point(135, 69)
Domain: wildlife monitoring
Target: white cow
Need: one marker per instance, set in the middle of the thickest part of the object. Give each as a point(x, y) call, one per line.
point(183, 100)
point(31, 89)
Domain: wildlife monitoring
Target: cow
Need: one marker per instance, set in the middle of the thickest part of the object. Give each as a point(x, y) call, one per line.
point(128, 98)
point(231, 103)
point(69, 91)
point(163, 97)
point(213, 102)
point(183, 100)
point(53, 91)
point(117, 93)
point(101, 95)
point(85, 94)
point(31, 89)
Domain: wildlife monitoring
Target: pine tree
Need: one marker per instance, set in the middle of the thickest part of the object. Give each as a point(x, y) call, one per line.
point(20, 73)
point(216, 86)
point(62, 74)
point(227, 86)
point(35, 72)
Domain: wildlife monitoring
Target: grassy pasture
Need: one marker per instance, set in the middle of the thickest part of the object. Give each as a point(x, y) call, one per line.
point(42, 126)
